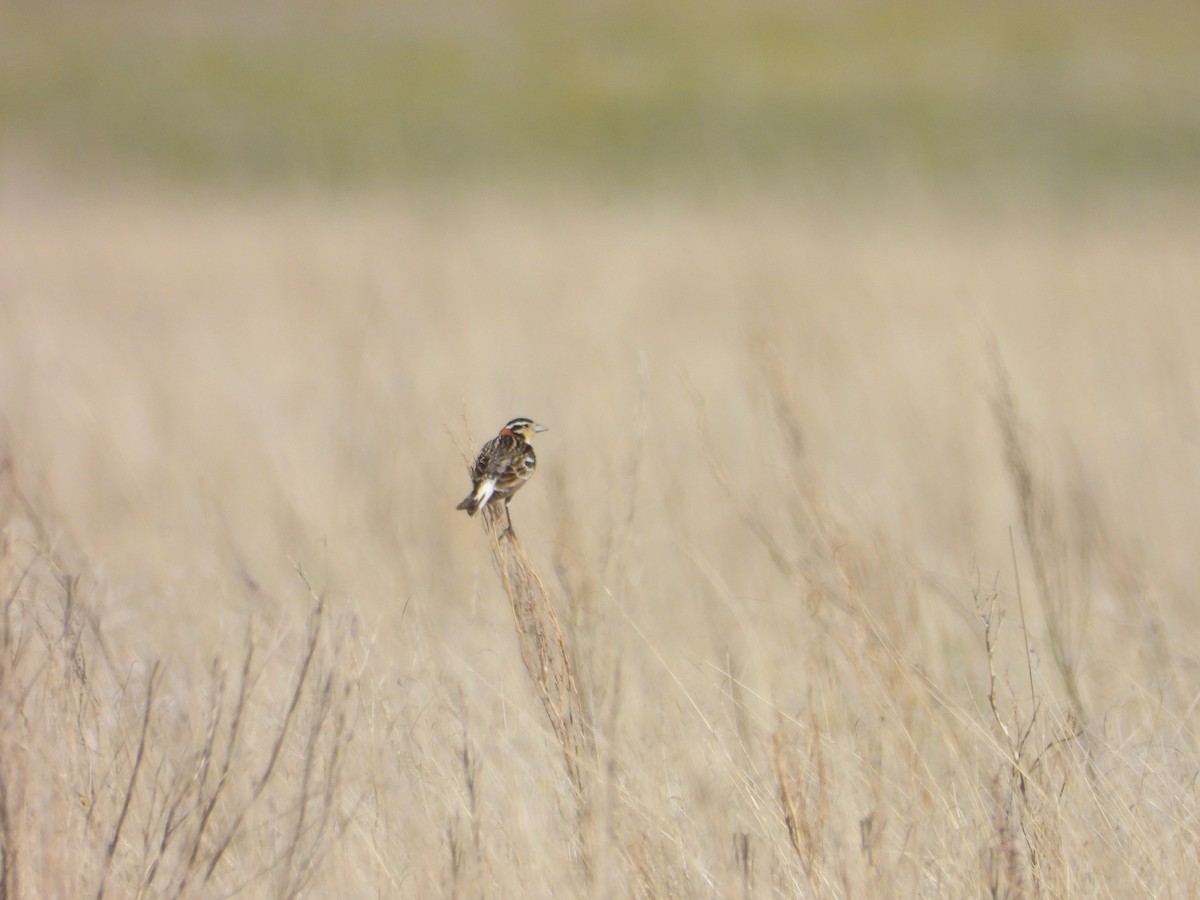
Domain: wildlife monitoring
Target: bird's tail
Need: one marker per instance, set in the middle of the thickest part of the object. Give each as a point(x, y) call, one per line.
point(478, 497)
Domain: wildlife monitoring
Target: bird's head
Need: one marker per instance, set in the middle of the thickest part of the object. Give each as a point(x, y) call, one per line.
point(523, 428)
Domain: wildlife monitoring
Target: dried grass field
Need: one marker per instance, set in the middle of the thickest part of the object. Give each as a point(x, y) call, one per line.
point(860, 561)
point(861, 557)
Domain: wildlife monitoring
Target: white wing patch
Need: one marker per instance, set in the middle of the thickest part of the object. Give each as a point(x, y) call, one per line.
point(484, 492)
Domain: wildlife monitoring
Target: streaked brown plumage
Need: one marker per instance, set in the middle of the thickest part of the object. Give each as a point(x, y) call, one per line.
point(502, 467)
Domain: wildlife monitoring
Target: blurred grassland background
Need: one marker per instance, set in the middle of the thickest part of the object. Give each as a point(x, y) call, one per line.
point(867, 514)
point(689, 94)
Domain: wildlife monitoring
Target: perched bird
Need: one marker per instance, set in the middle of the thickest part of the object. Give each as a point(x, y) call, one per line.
point(502, 467)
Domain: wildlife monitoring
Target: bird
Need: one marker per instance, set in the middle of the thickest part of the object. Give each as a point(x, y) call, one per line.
point(502, 467)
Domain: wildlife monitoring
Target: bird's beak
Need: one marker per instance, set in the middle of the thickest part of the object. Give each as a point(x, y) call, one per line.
point(538, 428)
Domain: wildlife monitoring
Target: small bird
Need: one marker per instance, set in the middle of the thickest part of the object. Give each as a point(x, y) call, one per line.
point(502, 467)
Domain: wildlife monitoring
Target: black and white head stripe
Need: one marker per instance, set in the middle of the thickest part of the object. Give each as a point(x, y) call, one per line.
point(522, 424)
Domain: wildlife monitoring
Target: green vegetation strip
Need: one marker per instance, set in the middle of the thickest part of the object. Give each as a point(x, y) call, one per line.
point(624, 92)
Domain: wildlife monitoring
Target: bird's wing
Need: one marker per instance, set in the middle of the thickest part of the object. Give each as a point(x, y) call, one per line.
point(493, 459)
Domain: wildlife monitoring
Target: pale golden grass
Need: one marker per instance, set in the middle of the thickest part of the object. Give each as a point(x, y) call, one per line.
point(769, 639)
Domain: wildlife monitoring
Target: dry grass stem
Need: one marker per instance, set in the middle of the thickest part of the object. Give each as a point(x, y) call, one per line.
point(544, 652)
